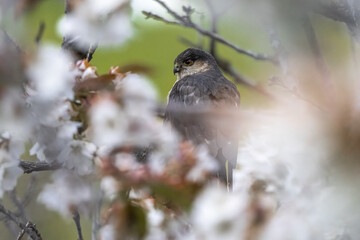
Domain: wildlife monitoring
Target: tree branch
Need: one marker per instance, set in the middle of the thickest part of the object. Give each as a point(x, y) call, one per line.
point(158, 18)
point(29, 167)
point(186, 21)
point(29, 227)
point(40, 33)
point(76, 218)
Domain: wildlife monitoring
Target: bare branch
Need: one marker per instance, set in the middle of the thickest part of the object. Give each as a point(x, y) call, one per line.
point(187, 22)
point(158, 18)
point(29, 227)
point(76, 218)
point(29, 167)
point(40, 32)
point(21, 234)
point(171, 12)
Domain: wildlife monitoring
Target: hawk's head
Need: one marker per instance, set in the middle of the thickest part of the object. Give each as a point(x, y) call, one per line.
point(192, 61)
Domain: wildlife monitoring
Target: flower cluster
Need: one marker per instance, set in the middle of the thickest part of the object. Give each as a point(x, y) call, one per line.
point(106, 22)
point(105, 128)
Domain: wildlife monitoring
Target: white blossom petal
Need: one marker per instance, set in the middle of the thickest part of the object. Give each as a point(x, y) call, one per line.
point(9, 172)
point(68, 190)
point(50, 74)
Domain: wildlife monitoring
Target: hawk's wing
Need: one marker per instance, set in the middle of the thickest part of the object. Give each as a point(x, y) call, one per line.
point(206, 89)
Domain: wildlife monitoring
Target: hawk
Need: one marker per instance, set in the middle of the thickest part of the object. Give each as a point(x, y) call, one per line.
point(200, 84)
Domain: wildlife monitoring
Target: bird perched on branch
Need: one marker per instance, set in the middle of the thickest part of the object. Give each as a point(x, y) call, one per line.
point(201, 85)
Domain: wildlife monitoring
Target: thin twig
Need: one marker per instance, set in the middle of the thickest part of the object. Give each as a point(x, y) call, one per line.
point(186, 21)
point(11, 216)
point(29, 167)
point(190, 24)
point(40, 32)
point(21, 234)
point(171, 12)
point(76, 218)
point(29, 227)
point(158, 18)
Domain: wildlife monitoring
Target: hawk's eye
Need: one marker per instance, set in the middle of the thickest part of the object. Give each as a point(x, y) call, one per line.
point(188, 62)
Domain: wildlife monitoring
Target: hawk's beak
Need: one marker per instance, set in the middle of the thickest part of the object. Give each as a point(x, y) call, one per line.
point(176, 69)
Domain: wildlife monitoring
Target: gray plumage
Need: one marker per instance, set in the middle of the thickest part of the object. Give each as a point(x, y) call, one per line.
point(201, 84)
